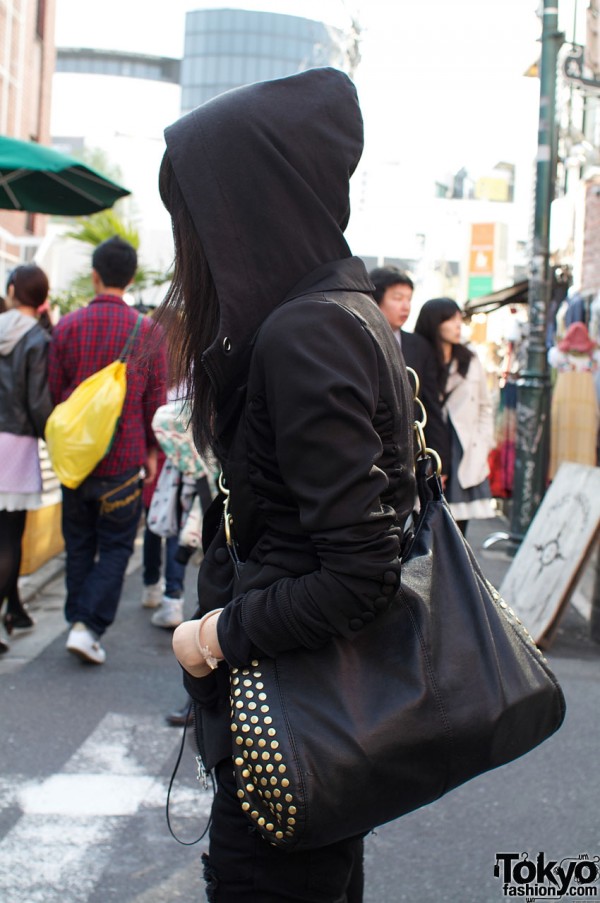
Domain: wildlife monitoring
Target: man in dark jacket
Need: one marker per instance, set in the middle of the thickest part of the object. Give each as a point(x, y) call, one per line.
point(100, 517)
point(393, 293)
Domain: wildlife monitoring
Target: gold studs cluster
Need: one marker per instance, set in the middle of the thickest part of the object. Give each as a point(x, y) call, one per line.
point(512, 617)
point(262, 775)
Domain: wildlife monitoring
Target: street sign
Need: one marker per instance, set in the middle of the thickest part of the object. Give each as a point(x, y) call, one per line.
point(573, 68)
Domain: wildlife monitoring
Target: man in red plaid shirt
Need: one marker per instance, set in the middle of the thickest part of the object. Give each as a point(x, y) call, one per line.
point(100, 518)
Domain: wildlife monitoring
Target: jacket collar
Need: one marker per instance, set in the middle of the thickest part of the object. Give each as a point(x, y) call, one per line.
point(228, 369)
point(110, 299)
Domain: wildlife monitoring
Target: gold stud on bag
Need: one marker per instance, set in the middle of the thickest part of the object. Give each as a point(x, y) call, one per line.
point(264, 785)
point(441, 686)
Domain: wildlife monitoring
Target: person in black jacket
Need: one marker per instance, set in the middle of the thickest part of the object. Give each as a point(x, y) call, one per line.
point(393, 293)
point(298, 390)
point(25, 405)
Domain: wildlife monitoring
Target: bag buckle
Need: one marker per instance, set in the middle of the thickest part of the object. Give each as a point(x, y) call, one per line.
point(201, 773)
point(227, 518)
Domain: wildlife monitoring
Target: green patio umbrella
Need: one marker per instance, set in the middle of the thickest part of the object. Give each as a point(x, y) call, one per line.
point(41, 180)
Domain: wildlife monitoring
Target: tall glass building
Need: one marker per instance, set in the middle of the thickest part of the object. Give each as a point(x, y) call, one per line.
point(226, 48)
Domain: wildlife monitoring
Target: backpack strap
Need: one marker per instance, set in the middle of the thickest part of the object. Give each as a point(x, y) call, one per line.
point(126, 351)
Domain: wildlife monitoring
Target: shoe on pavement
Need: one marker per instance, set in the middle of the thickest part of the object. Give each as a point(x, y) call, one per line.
point(4, 640)
point(181, 717)
point(169, 614)
point(83, 643)
point(18, 620)
point(152, 595)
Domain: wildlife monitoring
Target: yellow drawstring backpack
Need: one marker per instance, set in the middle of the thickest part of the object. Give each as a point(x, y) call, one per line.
point(80, 431)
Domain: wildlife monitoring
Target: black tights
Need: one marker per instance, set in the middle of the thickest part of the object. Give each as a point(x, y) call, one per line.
point(12, 527)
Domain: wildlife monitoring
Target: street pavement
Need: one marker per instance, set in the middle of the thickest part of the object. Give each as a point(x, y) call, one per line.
point(87, 757)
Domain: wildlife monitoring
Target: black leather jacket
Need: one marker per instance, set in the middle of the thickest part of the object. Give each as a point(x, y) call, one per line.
point(25, 402)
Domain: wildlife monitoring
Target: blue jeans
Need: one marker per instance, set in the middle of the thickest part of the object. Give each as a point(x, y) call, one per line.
point(99, 520)
point(174, 571)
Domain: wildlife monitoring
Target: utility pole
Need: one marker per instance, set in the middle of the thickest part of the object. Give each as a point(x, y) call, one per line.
point(533, 388)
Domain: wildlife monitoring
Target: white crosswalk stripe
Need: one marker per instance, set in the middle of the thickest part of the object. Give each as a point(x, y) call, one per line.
point(60, 843)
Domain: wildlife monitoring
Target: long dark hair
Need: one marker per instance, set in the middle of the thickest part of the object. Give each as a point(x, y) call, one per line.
point(190, 310)
point(431, 315)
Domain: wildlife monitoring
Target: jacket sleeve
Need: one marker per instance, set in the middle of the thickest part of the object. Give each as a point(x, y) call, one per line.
point(321, 387)
point(39, 402)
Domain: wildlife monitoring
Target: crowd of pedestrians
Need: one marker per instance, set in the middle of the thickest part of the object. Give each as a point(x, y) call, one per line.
point(290, 372)
point(40, 365)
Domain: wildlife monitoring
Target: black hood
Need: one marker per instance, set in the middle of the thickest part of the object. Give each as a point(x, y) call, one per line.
point(265, 171)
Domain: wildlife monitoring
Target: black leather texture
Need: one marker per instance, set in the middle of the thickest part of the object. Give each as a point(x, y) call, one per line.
point(443, 685)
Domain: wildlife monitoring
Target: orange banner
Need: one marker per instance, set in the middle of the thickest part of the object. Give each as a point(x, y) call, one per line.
point(481, 262)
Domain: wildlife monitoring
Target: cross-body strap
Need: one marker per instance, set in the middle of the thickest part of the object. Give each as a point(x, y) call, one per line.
point(126, 351)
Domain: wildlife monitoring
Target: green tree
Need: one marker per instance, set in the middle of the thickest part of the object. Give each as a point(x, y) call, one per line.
point(97, 227)
point(93, 230)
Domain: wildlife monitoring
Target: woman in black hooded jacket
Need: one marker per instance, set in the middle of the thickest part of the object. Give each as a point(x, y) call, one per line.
point(297, 390)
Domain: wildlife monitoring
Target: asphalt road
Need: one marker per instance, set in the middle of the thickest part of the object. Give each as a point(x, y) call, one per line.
point(86, 760)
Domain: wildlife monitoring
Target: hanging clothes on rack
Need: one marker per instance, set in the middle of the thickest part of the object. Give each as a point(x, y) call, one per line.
point(574, 412)
point(502, 456)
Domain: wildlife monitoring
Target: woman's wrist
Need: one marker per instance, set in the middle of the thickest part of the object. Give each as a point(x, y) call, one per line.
point(207, 639)
point(196, 645)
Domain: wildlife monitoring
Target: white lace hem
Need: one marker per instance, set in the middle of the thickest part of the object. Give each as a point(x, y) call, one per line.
point(20, 501)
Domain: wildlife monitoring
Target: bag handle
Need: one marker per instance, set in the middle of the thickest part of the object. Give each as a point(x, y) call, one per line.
point(428, 464)
point(130, 339)
point(424, 453)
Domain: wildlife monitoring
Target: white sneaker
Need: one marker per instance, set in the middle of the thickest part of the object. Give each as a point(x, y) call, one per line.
point(152, 595)
point(83, 643)
point(169, 614)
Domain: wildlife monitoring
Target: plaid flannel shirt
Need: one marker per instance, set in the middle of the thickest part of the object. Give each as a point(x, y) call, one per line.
point(86, 340)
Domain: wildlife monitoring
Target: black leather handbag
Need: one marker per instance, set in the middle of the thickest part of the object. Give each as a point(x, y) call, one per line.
point(443, 686)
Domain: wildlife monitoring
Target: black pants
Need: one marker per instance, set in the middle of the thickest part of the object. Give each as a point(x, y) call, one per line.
point(244, 868)
point(12, 527)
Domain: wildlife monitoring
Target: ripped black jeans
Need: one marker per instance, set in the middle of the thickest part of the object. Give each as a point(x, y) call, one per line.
point(244, 868)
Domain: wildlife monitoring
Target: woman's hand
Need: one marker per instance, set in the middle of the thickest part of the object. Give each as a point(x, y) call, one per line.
point(196, 645)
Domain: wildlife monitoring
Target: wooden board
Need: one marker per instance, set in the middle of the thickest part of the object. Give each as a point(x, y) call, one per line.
point(557, 545)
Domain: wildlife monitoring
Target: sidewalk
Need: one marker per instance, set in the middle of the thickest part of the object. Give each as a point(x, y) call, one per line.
point(44, 592)
point(33, 584)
